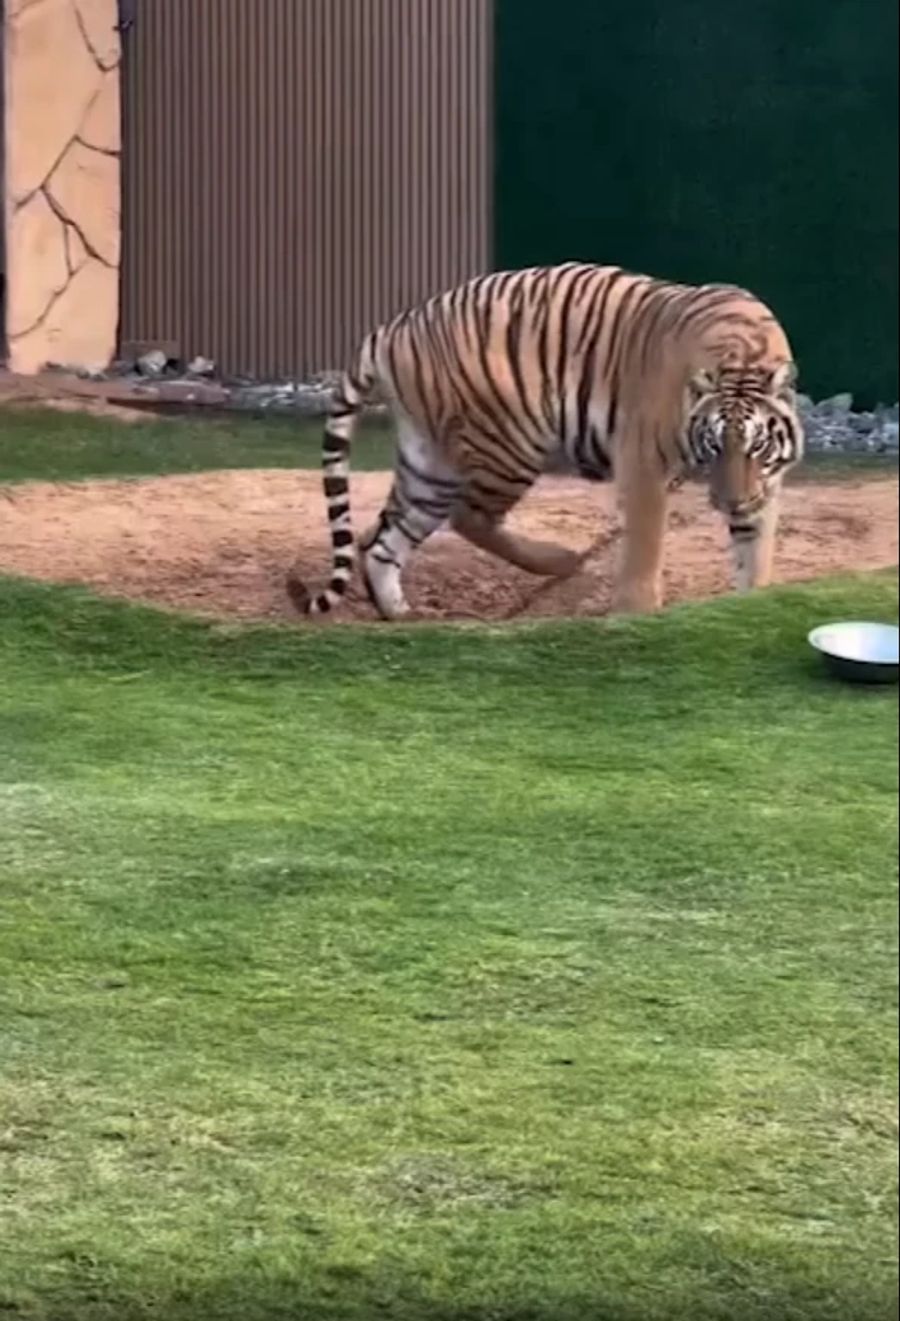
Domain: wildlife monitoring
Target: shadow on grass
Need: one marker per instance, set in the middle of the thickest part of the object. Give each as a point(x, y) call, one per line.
point(357, 1297)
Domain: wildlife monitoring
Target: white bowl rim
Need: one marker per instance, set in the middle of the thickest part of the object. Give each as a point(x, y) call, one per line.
point(817, 638)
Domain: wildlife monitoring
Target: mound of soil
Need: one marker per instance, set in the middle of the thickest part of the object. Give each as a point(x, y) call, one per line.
point(220, 544)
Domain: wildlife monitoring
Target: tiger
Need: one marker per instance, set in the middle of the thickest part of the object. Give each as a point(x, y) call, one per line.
point(619, 376)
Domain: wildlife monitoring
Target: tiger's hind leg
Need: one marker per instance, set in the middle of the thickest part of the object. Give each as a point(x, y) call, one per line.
point(485, 500)
point(422, 496)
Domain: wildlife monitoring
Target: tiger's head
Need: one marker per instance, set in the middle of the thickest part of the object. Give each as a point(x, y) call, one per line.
point(742, 426)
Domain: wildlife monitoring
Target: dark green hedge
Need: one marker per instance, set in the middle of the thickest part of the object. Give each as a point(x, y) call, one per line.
point(707, 140)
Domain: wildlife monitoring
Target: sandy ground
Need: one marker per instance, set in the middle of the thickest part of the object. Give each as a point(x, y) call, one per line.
point(220, 544)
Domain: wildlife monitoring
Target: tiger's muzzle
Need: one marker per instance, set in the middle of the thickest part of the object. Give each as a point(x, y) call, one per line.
point(742, 507)
point(737, 487)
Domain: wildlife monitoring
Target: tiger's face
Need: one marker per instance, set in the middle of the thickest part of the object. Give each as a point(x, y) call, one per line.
point(742, 427)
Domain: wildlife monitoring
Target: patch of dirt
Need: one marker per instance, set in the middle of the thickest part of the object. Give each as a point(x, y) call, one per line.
point(220, 544)
point(69, 395)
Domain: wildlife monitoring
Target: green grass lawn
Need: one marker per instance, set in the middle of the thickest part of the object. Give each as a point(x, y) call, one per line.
point(532, 974)
point(47, 445)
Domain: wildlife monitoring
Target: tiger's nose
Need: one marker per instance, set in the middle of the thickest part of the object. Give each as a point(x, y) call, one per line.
point(743, 508)
point(737, 508)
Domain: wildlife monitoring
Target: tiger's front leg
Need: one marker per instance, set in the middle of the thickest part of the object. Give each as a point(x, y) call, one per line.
point(643, 499)
point(753, 545)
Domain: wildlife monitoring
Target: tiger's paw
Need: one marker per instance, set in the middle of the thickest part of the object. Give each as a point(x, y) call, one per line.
point(384, 589)
point(556, 561)
point(636, 601)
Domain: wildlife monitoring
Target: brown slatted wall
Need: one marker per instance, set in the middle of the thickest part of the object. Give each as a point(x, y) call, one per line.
point(297, 170)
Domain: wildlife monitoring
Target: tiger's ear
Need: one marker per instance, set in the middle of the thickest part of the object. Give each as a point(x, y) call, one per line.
point(701, 384)
point(784, 380)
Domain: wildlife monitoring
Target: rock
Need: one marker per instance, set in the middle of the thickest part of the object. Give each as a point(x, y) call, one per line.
point(190, 392)
point(201, 366)
point(152, 364)
point(838, 403)
point(121, 367)
point(890, 435)
point(832, 427)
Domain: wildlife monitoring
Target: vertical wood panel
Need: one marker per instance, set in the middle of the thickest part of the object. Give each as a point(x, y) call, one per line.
point(295, 171)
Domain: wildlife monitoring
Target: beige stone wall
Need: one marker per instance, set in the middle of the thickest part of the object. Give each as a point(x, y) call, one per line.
point(62, 211)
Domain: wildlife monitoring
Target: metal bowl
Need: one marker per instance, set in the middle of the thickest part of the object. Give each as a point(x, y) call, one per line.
point(859, 651)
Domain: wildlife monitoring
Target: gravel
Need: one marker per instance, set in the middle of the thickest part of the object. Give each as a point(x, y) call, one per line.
point(832, 425)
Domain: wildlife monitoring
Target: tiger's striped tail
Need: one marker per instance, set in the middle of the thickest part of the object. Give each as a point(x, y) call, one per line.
point(349, 400)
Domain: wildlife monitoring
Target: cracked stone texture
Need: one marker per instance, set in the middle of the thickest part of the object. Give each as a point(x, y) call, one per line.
point(84, 188)
point(101, 127)
point(76, 252)
point(98, 22)
point(51, 80)
point(38, 240)
point(62, 182)
point(72, 323)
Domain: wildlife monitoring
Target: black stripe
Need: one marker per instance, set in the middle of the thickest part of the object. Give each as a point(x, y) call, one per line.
point(594, 456)
point(494, 429)
point(423, 393)
point(621, 325)
point(500, 282)
point(658, 309)
point(595, 315)
point(482, 487)
point(441, 483)
point(434, 508)
point(440, 331)
point(486, 444)
point(513, 346)
point(543, 315)
point(700, 303)
point(562, 352)
point(341, 537)
point(335, 486)
point(603, 303)
point(612, 415)
point(483, 339)
point(412, 537)
point(620, 334)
